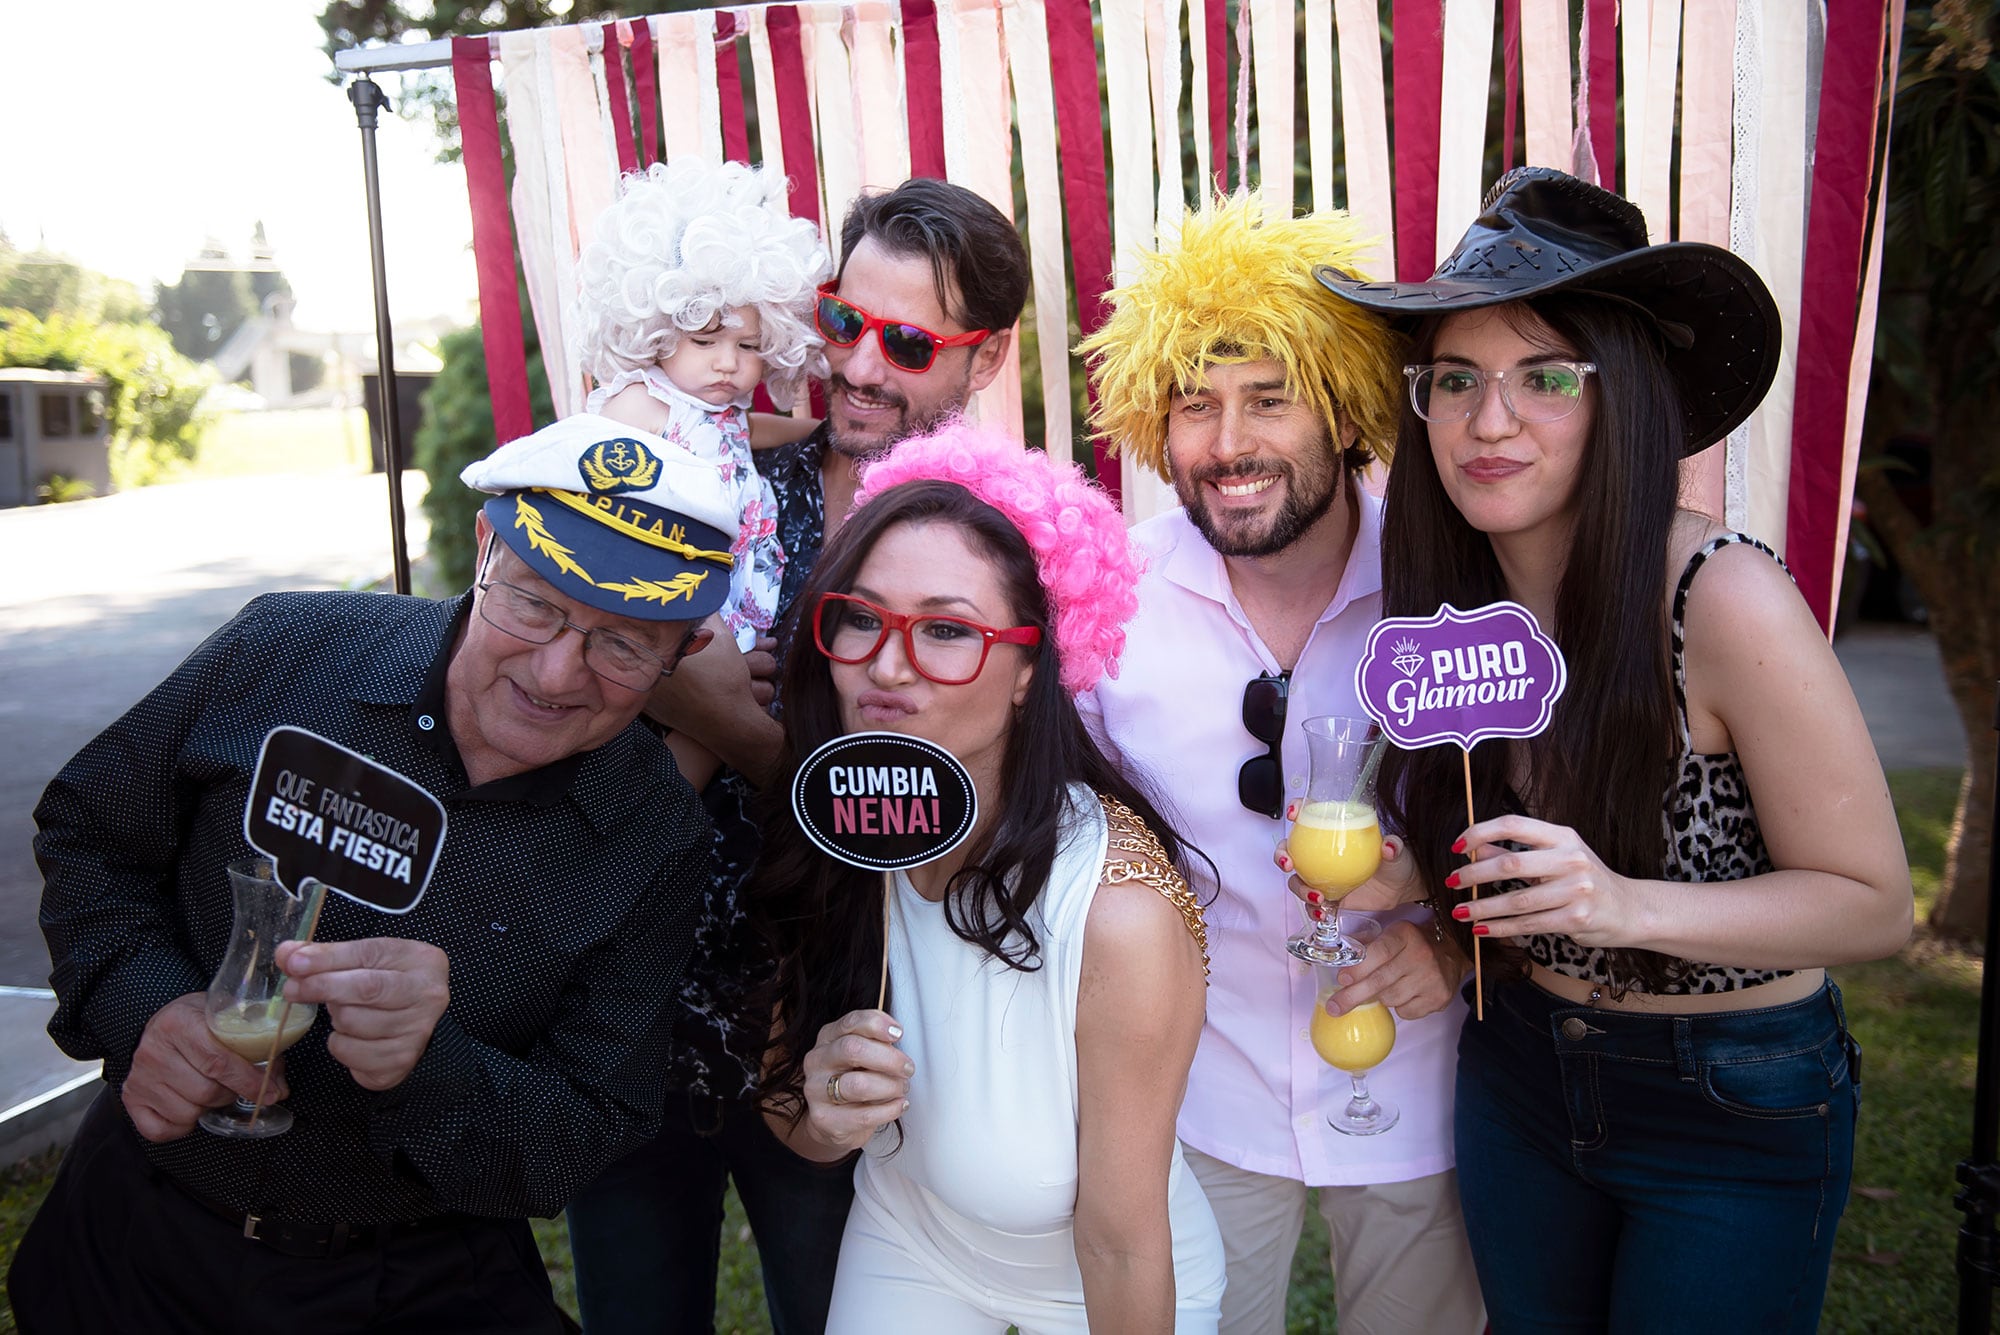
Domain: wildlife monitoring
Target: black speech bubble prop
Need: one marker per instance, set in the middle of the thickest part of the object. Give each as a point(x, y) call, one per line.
point(322, 812)
point(884, 801)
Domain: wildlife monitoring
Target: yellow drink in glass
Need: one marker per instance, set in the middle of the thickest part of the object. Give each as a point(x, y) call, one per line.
point(1335, 846)
point(1356, 1041)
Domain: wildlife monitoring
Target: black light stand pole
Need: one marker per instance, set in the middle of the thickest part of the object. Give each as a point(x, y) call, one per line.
point(1979, 1176)
point(368, 98)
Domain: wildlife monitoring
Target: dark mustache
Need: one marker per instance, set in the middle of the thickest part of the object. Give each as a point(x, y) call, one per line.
point(887, 397)
point(1241, 468)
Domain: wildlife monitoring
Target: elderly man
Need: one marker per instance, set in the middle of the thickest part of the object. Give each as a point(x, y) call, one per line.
point(475, 1060)
point(1225, 369)
point(919, 318)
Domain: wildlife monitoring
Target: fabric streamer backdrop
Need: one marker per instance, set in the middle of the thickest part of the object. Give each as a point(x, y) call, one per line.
point(1721, 106)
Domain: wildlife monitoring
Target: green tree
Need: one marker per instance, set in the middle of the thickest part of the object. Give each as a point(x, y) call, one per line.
point(154, 395)
point(206, 304)
point(45, 284)
point(457, 429)
point(1937, 376)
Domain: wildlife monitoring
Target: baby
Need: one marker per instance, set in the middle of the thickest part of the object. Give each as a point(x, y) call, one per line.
point(696, 287)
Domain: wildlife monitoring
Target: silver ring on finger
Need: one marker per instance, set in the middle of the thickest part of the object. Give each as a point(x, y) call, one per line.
point(833, 1088)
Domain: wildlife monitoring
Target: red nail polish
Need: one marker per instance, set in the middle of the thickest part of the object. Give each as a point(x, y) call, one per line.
point(1312, 896)
point(1458, 847)
point(1480, 929)
point(1452, 880)
point(1284, 863)
point(1462, 912)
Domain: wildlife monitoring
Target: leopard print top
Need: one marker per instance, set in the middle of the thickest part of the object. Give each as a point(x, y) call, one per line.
point(1709, 825)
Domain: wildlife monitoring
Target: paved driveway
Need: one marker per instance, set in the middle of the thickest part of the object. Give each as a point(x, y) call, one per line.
point(100, 599)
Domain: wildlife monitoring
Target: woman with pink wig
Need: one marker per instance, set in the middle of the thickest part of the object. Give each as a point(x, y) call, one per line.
point(1014, 1105)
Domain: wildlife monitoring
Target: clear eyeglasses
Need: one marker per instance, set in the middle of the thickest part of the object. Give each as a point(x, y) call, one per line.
point(1537, 392)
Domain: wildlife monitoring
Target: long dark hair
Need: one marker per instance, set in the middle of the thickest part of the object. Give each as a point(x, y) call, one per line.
point(1606, 761)
point(822, 919)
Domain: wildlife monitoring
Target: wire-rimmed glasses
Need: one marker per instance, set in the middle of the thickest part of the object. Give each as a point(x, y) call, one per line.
point(513, 610)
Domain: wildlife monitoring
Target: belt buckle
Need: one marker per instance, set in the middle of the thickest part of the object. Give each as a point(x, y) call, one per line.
point(250, 1222)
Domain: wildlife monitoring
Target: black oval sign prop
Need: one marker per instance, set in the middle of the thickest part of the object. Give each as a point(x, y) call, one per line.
point(362, 830)
point(884, 801)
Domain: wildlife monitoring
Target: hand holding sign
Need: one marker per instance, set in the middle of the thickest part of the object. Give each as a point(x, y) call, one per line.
point(328, 818)
point(886, 802)
point(1461, 677)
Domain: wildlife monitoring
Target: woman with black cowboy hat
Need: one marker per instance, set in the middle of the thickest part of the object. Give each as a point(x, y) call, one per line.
point(1663, 1090)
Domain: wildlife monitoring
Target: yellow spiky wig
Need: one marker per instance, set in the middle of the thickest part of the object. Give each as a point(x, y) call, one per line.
point(1235, 288)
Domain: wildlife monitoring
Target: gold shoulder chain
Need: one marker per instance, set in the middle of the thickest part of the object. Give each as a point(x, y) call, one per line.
point(1146, 862)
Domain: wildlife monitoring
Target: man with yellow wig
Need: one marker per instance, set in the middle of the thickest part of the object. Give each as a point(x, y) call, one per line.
point(1226, 370)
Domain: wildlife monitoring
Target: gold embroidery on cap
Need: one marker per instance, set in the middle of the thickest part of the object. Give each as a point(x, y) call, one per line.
point(621, 464)
point(529, 518)
point(616, 519)
point(682, 585)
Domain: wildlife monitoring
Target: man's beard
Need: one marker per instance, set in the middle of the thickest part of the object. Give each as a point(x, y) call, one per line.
point(1310, 491)
point(909, 423)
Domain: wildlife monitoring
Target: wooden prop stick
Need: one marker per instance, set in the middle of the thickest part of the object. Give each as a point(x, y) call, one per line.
point(888, 896)
point(1472, 855)
point(318, 892)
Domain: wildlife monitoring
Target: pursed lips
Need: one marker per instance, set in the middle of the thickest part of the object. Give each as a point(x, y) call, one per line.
point(884, 706)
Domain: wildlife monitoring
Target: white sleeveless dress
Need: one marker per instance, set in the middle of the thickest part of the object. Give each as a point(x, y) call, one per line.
point(966, 1226)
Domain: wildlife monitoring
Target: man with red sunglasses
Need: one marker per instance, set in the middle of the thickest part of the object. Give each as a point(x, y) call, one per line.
point(919, 318)
point(1223, 370)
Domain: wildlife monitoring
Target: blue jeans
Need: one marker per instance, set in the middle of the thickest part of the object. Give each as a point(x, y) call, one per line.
point(1647, 1173)
point(646, 1236)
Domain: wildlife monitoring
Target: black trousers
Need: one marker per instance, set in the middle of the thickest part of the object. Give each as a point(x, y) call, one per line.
point(118, 1247)
point(646, 1235)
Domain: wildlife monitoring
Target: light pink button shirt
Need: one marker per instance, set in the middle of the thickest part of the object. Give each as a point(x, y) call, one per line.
point(1258, 1094)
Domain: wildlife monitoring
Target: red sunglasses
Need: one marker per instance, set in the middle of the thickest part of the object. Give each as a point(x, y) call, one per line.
point(950, 651)
point(909, 346)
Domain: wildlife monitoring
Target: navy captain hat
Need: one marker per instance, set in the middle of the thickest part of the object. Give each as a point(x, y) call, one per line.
point(614, 517)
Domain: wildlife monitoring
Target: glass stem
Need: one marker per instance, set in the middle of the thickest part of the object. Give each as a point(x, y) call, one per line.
point(1363, 1105)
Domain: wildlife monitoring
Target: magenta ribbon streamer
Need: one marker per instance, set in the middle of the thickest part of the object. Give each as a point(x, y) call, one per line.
point(923, 82)
point(1603, 58)
point(1217, 28)
point(646, 83)
point(1510, 39)
point(1839, 209)
point(492, 240)
point(1086, 199)
point(729, 90)
point(788, 71)
point(615, 95)
point(1418, 28)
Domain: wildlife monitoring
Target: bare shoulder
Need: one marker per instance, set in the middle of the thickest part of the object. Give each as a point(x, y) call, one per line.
point(633, 406)
point(1744, 603)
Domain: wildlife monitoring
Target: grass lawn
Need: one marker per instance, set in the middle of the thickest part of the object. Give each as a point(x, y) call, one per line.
point(307, 440)
point(1916, 1016)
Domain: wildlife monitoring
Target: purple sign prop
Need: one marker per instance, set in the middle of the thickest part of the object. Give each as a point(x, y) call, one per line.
point(1460, 676)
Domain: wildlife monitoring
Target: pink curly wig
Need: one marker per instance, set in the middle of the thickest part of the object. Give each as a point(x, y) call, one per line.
point(1088, 567)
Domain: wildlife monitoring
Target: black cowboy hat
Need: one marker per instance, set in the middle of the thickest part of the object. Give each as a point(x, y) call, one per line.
point(1541, 231)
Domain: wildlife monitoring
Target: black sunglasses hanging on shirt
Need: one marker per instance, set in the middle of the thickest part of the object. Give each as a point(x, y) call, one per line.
point(1260, 784)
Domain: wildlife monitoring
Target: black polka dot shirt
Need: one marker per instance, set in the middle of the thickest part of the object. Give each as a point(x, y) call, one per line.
point(565, 899)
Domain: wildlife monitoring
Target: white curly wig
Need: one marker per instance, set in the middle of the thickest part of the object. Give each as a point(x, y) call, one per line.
point(684, 242)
